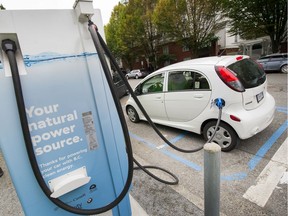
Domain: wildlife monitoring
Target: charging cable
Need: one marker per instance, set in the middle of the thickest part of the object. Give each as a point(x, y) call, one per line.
point(219, 102)
point(9, 47)
point(114, 63)
point(100, 48)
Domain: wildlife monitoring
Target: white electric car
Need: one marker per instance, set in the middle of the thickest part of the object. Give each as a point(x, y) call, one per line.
point(181, 96)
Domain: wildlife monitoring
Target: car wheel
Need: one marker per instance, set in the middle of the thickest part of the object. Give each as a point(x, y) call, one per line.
point(127, 77)
point(225, 136)
point(284, 69)
point(136, 77)
point(132, 114)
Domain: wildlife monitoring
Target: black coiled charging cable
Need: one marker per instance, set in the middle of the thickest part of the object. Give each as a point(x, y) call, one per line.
point(100, 44)
point(10, 48)
point(101, 47)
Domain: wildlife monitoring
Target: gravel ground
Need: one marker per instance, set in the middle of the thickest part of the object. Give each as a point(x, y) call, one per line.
point(165, 201)
point(9, 202)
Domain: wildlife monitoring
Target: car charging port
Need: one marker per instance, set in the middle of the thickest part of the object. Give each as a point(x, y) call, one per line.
point(219, 102)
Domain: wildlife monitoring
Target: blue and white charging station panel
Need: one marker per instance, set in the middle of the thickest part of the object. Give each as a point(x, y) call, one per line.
point(75, 130)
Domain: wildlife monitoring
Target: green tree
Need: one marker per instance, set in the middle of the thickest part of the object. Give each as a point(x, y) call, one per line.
point(251, 19)
point(193, 23)
point(2, 7)
point(146, 36)
point(118, 34)
point(131, 33)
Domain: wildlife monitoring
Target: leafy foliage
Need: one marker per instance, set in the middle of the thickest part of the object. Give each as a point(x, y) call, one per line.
point(193, 23)
point(131, 32)
point(118, 34)
point(251, 19)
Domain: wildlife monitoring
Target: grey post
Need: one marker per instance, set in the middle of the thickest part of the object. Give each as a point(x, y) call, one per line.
point(212, 157)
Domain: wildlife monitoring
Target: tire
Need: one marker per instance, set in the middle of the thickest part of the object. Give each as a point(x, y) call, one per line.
point(132, 114)
point(136, 77)
point(284, 69)
point(226, 137)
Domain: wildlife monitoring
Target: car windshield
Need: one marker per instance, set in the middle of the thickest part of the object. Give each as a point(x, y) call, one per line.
point(248, 72)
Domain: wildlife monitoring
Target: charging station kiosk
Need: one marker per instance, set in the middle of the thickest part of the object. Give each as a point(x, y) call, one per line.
point(75, 130)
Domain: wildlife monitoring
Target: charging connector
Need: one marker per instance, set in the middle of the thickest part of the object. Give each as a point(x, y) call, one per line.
point(219, 102)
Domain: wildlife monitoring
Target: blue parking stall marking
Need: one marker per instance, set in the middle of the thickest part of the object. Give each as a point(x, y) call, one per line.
point(282, 109)
point(179, 137)
point(171, 155)
point(174, 140)
point(182, 160)
point(151, 145)
point(234, 177)
point(265, 148)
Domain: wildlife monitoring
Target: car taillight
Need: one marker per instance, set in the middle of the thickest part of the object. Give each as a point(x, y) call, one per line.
point(229, 78)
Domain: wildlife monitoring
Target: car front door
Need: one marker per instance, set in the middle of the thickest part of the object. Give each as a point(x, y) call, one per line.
point(152, 97)
point(187, 95)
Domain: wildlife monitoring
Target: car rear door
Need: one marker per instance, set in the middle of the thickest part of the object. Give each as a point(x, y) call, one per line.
point(187, 95)
point(253, 79)
point(152, 97)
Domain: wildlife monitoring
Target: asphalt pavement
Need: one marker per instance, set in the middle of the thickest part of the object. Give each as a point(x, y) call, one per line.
point(242, 170)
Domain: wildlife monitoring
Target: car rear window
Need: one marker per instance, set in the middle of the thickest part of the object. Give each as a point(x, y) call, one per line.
point(248, 72)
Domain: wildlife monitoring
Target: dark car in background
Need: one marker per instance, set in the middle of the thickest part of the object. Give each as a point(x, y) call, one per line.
point(274, 62)
point(120, 86)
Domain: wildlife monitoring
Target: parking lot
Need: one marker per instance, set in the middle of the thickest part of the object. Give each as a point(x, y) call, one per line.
point(253, 176)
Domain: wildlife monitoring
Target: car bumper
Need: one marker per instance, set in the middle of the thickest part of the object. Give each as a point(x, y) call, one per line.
point(252, 121)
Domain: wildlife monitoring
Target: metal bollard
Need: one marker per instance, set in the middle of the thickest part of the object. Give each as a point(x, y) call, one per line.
point(212, 156)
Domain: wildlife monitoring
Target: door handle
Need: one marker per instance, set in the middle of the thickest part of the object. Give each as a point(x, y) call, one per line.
point(198, 96)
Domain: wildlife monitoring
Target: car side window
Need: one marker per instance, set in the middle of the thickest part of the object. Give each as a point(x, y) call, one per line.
point(200, 82)
point(179, 80)
point(153, 85)
point(264, 59)
point(186, 80)
point(276, 58)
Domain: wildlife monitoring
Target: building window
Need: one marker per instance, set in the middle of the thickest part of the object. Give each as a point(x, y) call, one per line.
point(165, 50)
point(185, 49)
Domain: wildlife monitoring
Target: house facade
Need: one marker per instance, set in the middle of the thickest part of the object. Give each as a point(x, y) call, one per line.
point(227, 44)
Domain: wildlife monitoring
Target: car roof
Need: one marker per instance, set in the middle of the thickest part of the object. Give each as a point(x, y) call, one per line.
point(274, 54)
point(214, 60)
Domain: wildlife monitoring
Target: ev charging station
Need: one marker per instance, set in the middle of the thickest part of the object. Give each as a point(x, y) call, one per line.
point(76, 136)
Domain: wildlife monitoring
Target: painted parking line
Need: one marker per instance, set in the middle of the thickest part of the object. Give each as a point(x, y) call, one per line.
point(235, 176)
point(282, 109)
point(169, 154)
point(269, 177)
point(174, 140)
point(266, 147)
